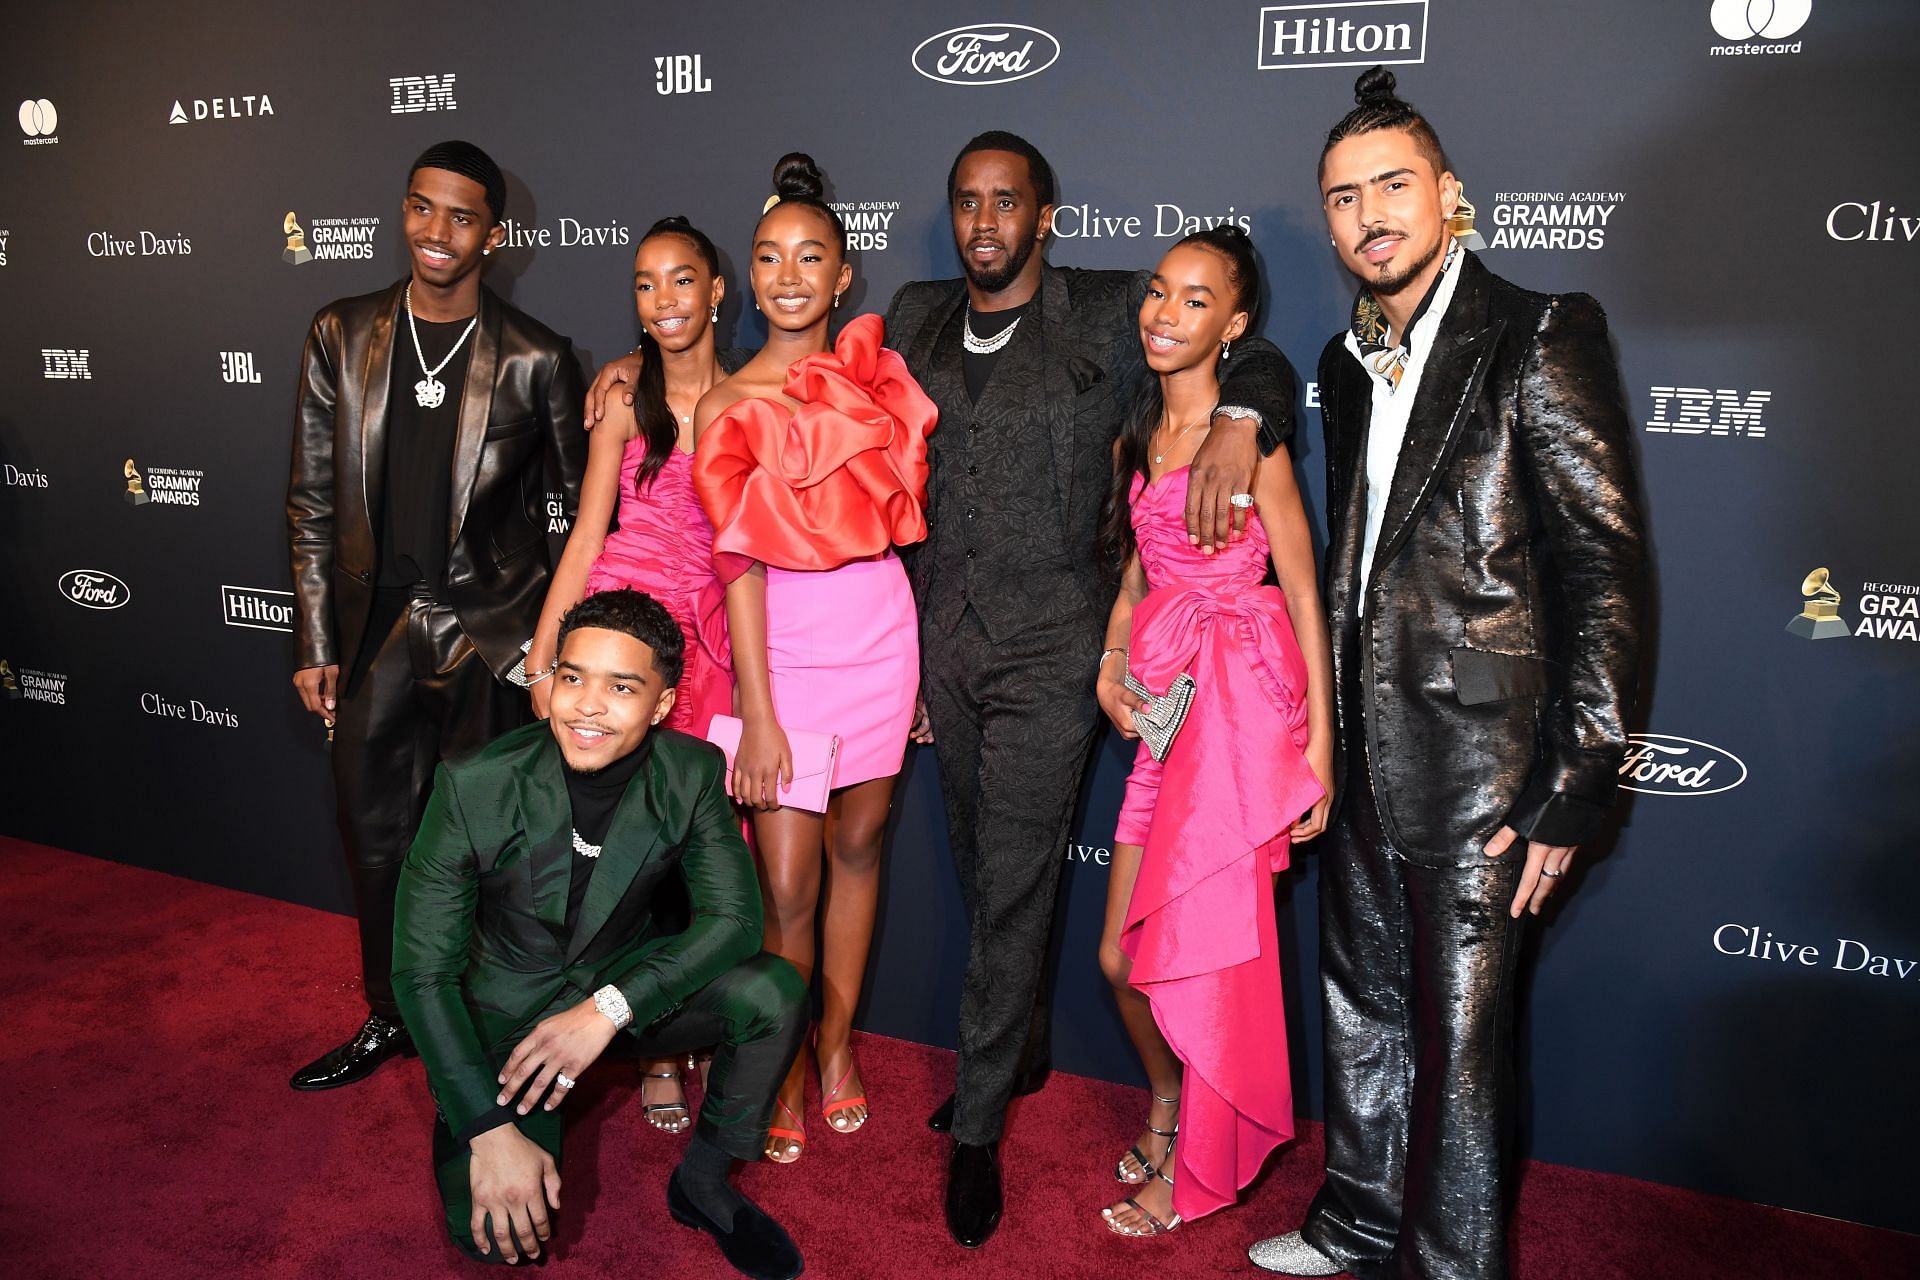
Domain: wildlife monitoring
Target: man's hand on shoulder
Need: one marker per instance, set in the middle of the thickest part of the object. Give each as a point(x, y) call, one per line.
point(1222, 468)
point(613, 374)
point(514, 1181)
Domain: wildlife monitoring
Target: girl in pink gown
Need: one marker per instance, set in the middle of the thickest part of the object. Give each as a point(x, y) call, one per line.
point(640, 464)
point(812, 464)
point(1190, 943)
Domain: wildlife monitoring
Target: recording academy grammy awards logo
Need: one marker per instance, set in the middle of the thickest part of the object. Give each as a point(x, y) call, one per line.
point(983, 53)
point(1888, 610)
point(327, 239)
point(869, 223)
point(1552, 219)
point(164, 486)
point(4, 234)
point(1757, 26)
point(30, 684)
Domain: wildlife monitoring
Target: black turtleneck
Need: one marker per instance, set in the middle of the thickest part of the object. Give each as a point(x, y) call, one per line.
point(594, 797)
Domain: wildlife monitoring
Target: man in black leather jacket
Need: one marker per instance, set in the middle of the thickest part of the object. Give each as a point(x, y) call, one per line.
point(1484, 583)
point(430, 416)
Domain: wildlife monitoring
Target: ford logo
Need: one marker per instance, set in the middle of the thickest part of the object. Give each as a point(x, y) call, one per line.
point(986, 53)
point(94, 589)
point(1659, 764)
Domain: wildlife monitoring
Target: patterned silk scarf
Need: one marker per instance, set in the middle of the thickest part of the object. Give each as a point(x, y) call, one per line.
point(1370, 327)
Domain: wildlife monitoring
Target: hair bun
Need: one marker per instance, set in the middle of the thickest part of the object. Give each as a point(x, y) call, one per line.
point(673, 222)
point(796, 176)
point(1376, 84)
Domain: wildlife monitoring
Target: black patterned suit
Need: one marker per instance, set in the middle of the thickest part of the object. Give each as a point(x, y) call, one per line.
point(1013, 603)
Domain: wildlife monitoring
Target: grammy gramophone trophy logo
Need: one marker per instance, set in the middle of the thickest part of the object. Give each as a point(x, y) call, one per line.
point(137, 494)
point(1821, 619)
point(296, 251)
point(9, 683)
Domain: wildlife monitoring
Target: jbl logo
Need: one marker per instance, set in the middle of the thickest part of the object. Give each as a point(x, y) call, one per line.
point(680, 73)
point(65, 363)
point(237, 366)
point(1697, 412)
point(423, 93)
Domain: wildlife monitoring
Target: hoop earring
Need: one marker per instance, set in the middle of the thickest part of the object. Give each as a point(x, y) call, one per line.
point(1226, 350)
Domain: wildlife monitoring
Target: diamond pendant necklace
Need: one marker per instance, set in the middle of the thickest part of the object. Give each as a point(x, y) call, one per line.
point(430, 392)
point(1161, 456)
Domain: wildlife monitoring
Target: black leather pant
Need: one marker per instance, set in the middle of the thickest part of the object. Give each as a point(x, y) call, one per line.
point(425, 697)
point(1013, 725)
point(1417, 970)
point(754, 1016)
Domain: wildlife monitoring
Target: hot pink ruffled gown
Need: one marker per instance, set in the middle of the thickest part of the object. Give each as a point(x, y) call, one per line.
point(664, 547)
point(1213, 819)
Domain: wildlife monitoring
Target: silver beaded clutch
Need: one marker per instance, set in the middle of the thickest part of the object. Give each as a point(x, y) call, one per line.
point(1164, 714)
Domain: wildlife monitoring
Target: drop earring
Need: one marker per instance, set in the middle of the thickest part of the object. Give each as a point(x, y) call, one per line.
point(716, 315)
point(836, 302)
point(1226, 350)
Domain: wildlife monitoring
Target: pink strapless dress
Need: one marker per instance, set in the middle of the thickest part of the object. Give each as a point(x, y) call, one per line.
point(1213, 820)
point(664, 547)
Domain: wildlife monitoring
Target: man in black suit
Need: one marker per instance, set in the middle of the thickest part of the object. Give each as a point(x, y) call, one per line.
point(1484, 581)
point(430, 417)
point(1033, 368)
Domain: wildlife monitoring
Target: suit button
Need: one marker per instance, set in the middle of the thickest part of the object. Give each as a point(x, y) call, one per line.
point(969, 553)
point(364, 575)
point(969, 513)
point(972, 470)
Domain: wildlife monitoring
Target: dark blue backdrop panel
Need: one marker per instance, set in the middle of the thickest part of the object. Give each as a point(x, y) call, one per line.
point(1726, 997)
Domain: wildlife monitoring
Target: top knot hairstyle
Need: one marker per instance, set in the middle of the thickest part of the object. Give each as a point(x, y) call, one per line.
point(1381, 108)
point(798, 180)
point(471, 162)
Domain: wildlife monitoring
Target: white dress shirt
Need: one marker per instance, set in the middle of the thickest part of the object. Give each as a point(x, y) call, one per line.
point(1392, 407)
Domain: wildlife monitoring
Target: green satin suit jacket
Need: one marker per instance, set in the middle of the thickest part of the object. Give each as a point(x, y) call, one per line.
point(480, 952)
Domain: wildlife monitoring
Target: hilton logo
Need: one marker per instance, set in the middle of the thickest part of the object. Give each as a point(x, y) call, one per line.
point(257, 608)
point(422, 93)
point(1363, 34)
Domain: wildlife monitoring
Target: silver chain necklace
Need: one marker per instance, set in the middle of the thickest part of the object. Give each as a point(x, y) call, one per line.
point(985, 346)
point(585, 850)
point(430, 392)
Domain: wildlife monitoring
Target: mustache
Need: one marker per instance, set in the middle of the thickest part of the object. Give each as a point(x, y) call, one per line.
point(1378, 233)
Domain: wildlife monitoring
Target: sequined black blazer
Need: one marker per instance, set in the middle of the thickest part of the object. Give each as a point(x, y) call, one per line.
point(1494, 652)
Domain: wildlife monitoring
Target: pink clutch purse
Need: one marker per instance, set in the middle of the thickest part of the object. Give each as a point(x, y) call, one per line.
point(814, 756)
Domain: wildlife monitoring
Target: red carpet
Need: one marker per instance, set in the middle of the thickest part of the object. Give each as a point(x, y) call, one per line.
point(151, 1022)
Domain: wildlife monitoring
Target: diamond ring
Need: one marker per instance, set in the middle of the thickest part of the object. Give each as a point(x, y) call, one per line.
point(561, 1080)
point(1241, 500)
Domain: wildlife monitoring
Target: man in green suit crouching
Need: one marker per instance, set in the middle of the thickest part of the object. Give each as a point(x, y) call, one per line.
point(528, 934)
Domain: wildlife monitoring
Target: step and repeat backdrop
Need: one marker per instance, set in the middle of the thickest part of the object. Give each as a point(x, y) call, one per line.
point(1726, 1000)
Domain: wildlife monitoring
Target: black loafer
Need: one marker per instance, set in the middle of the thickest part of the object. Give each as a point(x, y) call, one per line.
point(375, 1042)
point(756, 1245)
point(973, 1193)
point(941, 1121)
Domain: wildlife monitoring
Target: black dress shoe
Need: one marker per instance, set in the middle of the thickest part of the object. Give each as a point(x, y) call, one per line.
point(973, 1193)
point(755, 1244)
point(375, 1042)
point(941, 1121)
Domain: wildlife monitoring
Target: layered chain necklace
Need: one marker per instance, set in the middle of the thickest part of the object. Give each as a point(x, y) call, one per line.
point(430, 392)
point(985, 346)
point(585, 850)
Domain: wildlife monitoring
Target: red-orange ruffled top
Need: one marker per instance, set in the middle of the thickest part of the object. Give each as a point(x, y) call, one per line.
point(842, 477)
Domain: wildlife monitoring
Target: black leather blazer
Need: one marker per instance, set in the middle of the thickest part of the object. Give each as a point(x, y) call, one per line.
point(1078, 390)
point(519, 411)
point(1495, 648)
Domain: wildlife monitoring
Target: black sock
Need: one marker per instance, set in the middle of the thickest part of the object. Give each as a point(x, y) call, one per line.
point(703, 1177)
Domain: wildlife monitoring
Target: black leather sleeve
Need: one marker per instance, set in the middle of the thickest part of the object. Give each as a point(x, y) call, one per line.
point(1577, 439)
point(310, 509)
point(566, 434)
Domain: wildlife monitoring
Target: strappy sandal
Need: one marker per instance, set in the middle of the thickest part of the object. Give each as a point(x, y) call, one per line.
point(652, 1110)
point(1140, 1157)
point(1155, 1227)
point(830, 1110)
point(796, 1135)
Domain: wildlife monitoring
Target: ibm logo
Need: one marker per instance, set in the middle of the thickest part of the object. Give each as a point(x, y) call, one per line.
point(1699, 412)
point(65, 363)
point(680, 73)
point(237, 366)
point(422, 93)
